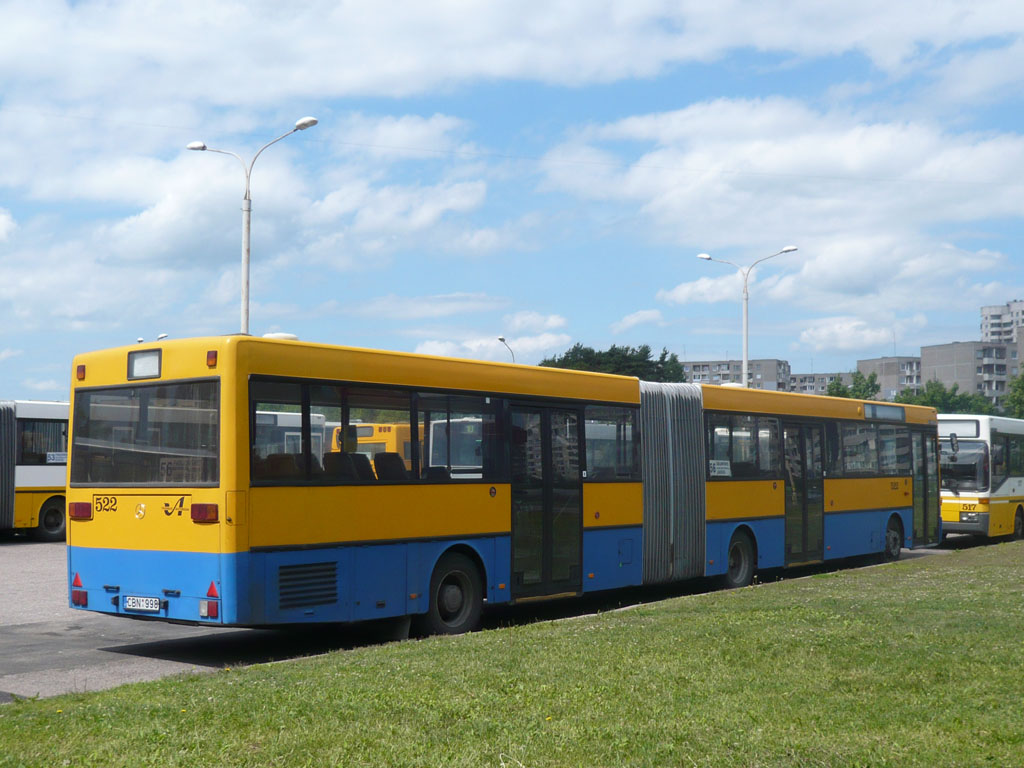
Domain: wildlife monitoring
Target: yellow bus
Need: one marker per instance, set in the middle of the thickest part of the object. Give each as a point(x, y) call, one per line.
point(33, 467)
point(521, 483)
point(982, 460)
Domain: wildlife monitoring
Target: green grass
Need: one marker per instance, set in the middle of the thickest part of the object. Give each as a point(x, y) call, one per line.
point(916, 663)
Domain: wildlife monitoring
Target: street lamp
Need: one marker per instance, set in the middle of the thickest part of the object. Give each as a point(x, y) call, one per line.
point(301, 125)
point(502, 340)
point(745, 271)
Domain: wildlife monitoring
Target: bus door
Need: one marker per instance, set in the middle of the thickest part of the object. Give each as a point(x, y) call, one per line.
point(926, 489)
point(547, 501)
point(805, 492)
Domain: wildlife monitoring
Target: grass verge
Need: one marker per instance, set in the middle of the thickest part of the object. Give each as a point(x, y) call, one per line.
point(913, 663)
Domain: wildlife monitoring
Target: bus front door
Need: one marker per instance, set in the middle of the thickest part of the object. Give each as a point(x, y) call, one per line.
point(547, 502)
point(805, 493)
point(926, 489)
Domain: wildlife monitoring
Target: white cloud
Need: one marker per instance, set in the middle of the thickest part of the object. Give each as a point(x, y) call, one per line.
point(8, 353)
point(531, 322)
point(854, 334)
point(642, 317)
point(527, 349)
point(7, 224)
point(45, 385)
point(427, 307)
point(705, 289)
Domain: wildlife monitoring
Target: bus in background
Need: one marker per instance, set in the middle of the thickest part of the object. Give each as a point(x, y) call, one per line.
point(33, 467)
point(369, 439)
point(522, 483)
point(982, 460)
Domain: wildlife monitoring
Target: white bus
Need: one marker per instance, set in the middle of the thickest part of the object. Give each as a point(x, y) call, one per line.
point(982, 471)
point(33, 467)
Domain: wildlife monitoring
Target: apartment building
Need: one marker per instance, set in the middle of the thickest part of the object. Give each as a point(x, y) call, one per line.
point(999, 322)
point(769, 374)
point(816, 383)
point(895, 374)
point(980, 367)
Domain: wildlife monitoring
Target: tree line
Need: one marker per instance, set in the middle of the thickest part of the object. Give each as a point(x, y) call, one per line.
point(640, 362)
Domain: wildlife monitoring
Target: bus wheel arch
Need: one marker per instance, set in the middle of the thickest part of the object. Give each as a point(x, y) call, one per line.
point(741, 558)
point(455, 599)
point(52, 525)
point(893, 539)
point(1018, 523)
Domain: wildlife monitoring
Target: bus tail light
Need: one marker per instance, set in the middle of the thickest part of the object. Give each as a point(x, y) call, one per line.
point(211, 358)
point(80, 373)
point(79, 596)
point(209, 609)
point(204, 513)
point(80, 510)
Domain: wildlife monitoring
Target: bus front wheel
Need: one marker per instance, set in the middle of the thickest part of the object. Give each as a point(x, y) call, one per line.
point(52, 521)
point(893, 540)
point(456, 597)
point(740, 570)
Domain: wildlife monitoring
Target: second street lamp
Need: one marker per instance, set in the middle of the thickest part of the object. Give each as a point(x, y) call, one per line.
point(300, 125)
point(745, 271)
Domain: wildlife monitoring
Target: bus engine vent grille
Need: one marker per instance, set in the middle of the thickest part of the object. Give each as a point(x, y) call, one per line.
point(307, 584)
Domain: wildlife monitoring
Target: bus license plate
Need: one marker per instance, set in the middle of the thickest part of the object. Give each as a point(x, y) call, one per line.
point(147, 604)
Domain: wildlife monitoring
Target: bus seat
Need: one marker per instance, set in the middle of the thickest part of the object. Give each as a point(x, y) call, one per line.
point(339, 466)
point(364, 470)
point(390, 466)
point(436, 473)
point(280, 466)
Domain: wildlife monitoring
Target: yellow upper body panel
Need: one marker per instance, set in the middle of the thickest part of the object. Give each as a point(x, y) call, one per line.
point(718, 398)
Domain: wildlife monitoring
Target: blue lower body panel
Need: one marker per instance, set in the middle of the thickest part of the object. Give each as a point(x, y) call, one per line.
point(612, 558)
point(265, 587)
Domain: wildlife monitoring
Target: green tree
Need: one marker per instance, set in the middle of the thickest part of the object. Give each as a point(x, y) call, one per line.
point(1013, 403)
point(861, 387)
point(952, 400)
point(625, 361)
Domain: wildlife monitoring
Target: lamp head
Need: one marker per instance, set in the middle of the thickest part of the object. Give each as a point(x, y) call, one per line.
point(705, 256)
point(197, 145)
point(788, 249)
point(501, 339)
point(305, 122)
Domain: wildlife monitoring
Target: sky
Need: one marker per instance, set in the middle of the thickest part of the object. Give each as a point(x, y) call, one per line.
point(542, 171)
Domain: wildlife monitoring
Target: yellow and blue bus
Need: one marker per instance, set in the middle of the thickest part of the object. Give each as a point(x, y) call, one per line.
point(982, 463)
point(522, 483)
point(33, 467)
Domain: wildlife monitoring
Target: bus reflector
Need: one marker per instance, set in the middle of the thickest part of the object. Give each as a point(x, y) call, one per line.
point(204, 513)
point(80, 373)
point(80, 598)
point(77, 581)
point(80, 510)
point(212, 591)
point(211, 358)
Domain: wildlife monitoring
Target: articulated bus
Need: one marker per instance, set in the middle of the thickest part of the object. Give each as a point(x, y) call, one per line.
point(33, 467)
point(554, 483)
point(982, 462)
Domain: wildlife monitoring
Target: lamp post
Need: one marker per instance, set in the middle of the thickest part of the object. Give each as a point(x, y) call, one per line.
point(502, 340)
point(300, 125)
point(745, 271)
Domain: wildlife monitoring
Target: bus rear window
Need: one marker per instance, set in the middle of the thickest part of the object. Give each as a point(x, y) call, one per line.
point(155, 435)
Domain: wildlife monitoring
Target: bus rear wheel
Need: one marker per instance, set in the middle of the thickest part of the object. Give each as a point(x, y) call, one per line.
point(456, 597)
point(52, 522)
point(893, 540)
point(740, 571)
point(1018, 525)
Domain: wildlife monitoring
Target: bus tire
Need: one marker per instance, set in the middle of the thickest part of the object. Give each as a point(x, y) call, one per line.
point(52, 524)
point(1018, 524)
point(740, 561)
point(893, 540)
point(456, 597)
